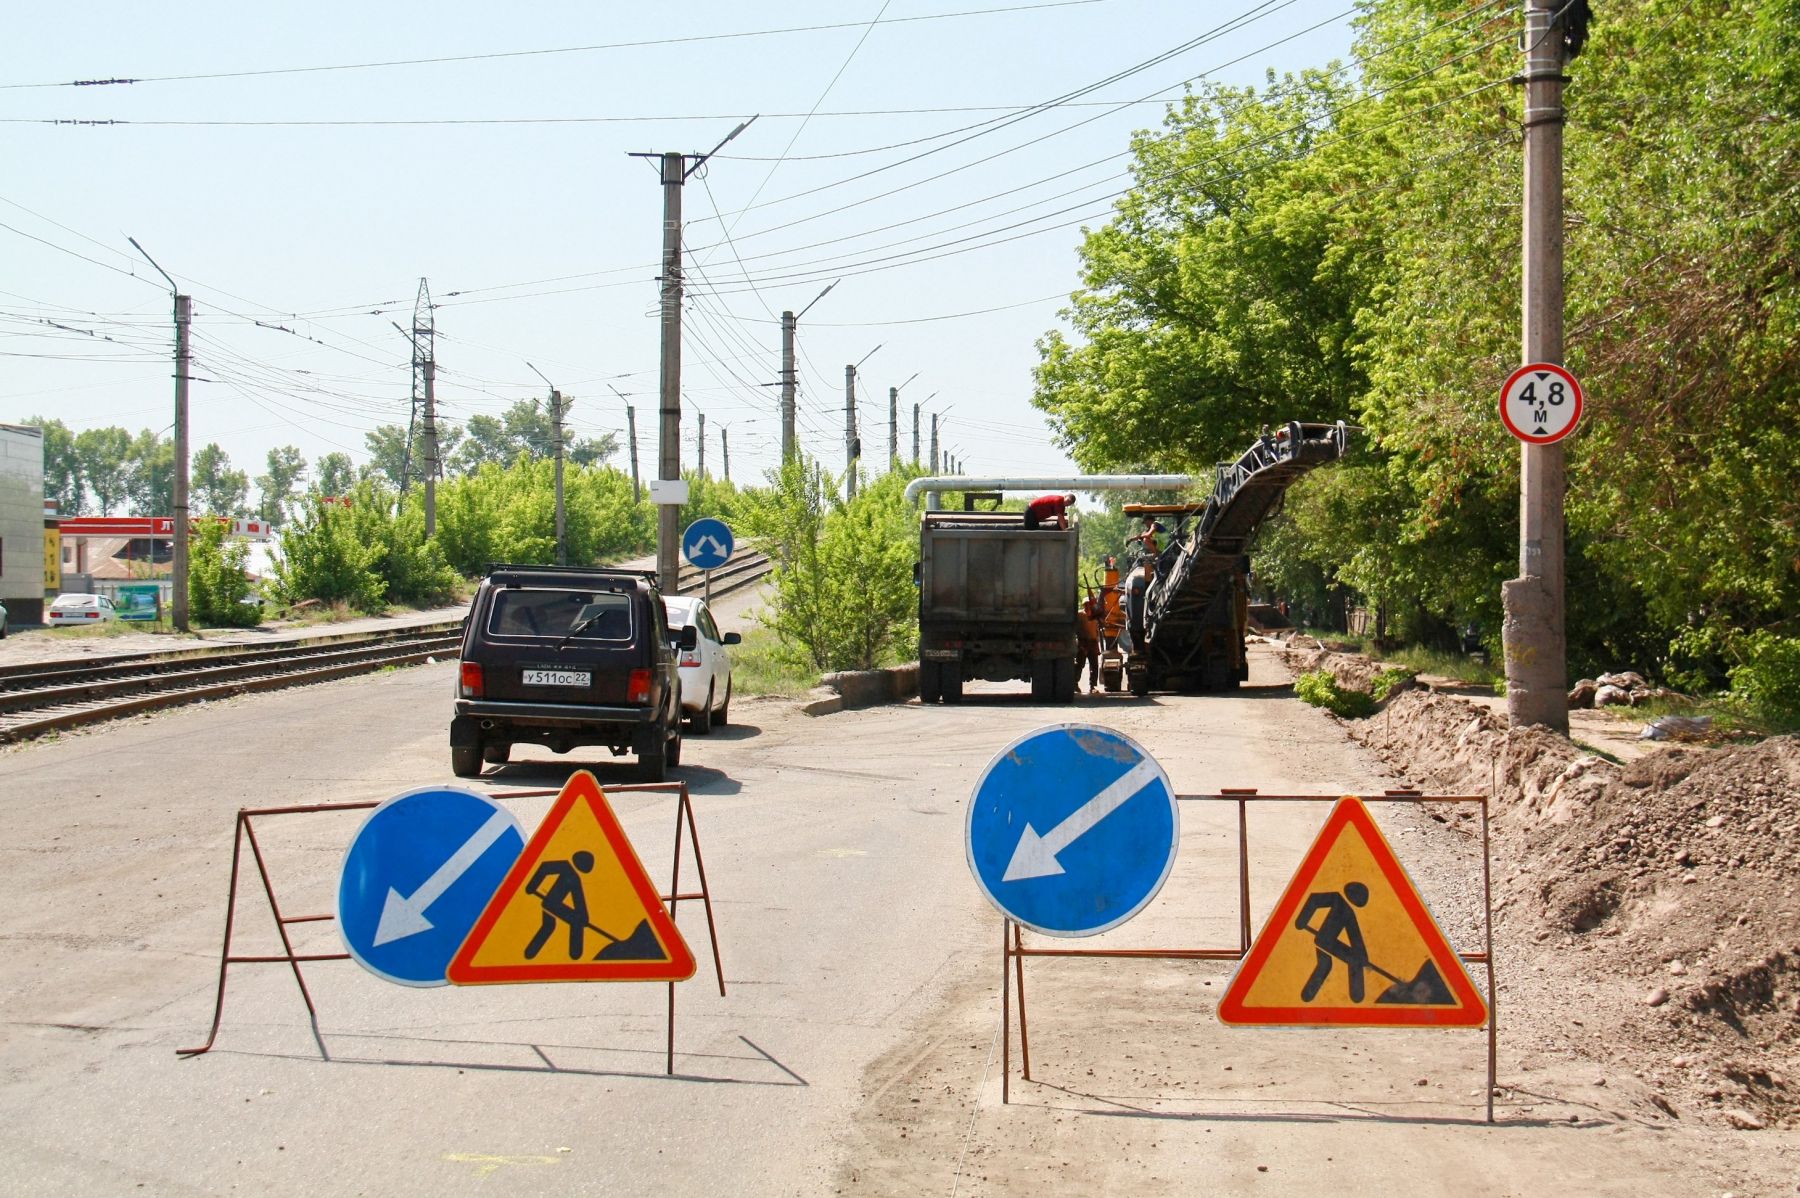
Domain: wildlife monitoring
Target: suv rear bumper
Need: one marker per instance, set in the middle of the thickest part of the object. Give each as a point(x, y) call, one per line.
point(553, 714)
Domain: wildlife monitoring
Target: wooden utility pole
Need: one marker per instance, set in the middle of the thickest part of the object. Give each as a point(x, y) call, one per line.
point(1533, 628)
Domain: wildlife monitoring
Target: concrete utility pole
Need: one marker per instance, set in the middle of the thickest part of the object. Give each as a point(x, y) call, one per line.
point(915, 453)
point(556, 417)
point(178, 491)
point(894, 423)
point(1533, 630)
point(637, 494)
point(789, 323)
point(852, 443)
point(674, 171)
point(934, 443)
point(725, 450)
point(701, 440)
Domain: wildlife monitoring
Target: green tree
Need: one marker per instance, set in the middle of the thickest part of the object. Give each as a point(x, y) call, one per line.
point(150, 475)
point(63, 484)
point(525, 428)
point(217, 489)
point(217, 581)
point(104, 458)
point(336, 474)
point(324, 557)
point(280, 487)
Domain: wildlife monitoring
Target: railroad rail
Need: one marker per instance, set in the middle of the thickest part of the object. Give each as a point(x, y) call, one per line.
point(742, 571)
point(50, 696)
point(55, 696)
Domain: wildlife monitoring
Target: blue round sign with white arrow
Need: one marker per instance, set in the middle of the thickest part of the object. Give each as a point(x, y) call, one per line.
point(417, 876)
point(707, 544)
point(1072, 829)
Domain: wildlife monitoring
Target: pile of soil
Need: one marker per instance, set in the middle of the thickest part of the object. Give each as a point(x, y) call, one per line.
point(1665, 893)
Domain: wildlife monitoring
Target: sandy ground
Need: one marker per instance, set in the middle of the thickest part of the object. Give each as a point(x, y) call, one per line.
point(856, 1051)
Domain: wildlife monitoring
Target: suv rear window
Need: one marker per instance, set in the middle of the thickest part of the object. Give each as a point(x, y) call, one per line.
point(547, 612)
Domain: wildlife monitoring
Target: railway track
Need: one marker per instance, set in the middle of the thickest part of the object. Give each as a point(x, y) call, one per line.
point(741, 572)
point(54, 696)
point(48, 697)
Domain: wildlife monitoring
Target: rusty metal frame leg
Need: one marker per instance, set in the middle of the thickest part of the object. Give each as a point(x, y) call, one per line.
point(237, 848)
point(674, 897)
point(1019, 976)
point(281, 923)
point(1487, 899)
point(712, 929)
point(1005, 1011)
point(1243, 876)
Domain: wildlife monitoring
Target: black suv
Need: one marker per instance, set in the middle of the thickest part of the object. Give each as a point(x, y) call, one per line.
point(565, 656)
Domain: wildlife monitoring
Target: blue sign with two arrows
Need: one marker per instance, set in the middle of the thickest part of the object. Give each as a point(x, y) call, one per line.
point(417, 876)
point(707, 544)
point(1072, 829)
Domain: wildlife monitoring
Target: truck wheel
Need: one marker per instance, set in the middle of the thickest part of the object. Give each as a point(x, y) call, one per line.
point(465, 761)
point(930, 681)
point(1140, 683)
point(1043, 681)
point(1065, 677)
point(952, 683)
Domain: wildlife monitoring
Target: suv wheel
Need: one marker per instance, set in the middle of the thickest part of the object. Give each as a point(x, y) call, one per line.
point(674, 753)
point(653, 758)
point(702, 722)
point(465, 761)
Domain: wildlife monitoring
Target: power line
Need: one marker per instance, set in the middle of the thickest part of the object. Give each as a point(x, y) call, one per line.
point(505, 54)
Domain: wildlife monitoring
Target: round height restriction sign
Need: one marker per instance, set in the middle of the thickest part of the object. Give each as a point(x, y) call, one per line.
point(1540, 403)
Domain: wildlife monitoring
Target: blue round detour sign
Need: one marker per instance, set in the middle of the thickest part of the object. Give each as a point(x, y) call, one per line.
point(707, 544)
point(1072, 829)
point(417, 876)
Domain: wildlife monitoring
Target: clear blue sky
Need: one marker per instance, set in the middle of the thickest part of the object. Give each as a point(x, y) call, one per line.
point(540, 236)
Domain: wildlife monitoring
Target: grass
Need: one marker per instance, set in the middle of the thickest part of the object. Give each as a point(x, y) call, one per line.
point(1447, 665)
point(101, 630)
point(758, 669)
point(1354, 643)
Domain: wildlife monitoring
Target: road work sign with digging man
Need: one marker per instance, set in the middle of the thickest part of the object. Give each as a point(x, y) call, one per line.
point(1351, 943)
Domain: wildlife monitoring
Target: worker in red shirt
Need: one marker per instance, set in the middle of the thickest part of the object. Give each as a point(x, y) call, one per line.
point(1048, 511)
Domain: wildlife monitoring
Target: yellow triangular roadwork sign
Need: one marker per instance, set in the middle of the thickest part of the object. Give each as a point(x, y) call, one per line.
point(577, 906)
point(1351, 943)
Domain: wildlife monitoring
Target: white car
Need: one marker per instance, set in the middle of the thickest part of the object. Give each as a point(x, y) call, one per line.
point(706, 668)
point(75, 608)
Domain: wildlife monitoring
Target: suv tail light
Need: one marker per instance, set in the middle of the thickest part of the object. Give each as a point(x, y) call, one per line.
point(637, 690)
point(471, 680)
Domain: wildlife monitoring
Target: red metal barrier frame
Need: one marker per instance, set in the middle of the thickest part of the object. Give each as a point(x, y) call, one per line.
point(245, 831)
point(1013, 949)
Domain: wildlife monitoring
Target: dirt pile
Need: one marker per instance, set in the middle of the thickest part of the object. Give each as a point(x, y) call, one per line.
point(1665, 892)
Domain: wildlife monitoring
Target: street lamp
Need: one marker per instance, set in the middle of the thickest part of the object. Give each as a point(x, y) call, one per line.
point(556, 419)
point(789, 321)
point(178, 498)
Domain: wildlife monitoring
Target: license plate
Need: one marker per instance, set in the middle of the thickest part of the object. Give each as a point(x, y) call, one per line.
point(559, 677)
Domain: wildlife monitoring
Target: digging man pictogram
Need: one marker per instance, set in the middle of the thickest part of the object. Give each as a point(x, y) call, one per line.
point(1338, 938)
point(564, 902)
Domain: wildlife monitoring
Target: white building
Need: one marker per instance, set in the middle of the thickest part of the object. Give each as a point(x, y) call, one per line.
point(22, 523)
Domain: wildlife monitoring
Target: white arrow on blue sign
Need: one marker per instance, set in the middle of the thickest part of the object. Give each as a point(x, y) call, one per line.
point(417, 876)
point(707, 544)
point(1072, 829)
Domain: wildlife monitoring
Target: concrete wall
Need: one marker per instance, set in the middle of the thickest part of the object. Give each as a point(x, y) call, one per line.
point(22, 523)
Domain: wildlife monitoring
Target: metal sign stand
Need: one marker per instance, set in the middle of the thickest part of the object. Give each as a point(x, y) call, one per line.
point(1014, 950)
point(245, 832)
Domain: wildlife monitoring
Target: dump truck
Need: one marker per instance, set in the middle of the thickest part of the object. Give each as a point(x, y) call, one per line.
point(997, 602)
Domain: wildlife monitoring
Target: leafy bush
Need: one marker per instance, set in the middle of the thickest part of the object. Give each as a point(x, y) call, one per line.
point(844, 596)
point(508, 514)
point(1388, 681)
point(1767, 680)
point(1321, 689)
point(217, 583)
point(323, 557)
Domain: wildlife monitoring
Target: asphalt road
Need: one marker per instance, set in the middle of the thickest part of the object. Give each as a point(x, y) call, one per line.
point(855, 1049)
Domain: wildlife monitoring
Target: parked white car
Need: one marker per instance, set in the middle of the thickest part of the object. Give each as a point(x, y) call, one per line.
point(75, 608)
point(706, 668)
